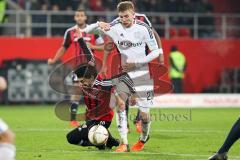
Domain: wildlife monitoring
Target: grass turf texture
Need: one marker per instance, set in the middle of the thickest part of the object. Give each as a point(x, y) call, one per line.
point(192, 135)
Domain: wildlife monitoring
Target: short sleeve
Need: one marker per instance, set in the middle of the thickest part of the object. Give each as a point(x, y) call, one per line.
point(67, 39)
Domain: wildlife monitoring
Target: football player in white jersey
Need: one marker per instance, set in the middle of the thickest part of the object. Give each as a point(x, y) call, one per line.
point(131, 38)
point(143, 18)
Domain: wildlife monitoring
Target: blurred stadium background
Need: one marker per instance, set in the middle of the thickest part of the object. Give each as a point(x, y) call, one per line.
point(206, 31)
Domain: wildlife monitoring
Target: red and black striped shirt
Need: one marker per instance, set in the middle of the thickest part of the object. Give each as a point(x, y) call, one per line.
point(97, 100)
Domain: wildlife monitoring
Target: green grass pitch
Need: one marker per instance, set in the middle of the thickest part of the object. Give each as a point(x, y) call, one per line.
point(176, 134)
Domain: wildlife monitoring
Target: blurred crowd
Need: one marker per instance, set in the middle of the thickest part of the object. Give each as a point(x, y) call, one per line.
point(199, 6)
point(183, 6)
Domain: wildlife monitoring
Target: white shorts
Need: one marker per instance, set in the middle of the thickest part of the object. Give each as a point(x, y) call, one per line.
point(124, 92)
point(145, 99)
point(142, 84)
point(3, 126)
point(144, 87)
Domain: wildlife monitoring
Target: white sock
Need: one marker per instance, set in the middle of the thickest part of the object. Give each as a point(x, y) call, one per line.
point(7, 151)
point(145, 130)
point(121, 119)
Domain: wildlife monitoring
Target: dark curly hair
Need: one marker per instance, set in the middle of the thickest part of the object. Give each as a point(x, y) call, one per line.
point(86, 71)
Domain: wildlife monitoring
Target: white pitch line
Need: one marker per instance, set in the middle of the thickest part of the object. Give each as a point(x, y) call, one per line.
point(188, 131)
point(41, 130)
point(154, 130)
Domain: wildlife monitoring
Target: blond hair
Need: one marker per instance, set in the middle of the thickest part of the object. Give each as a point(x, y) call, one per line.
point(124, 6)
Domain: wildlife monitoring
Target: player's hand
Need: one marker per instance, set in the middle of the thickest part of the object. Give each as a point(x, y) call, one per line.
point(91, 63)
point(104, 26)
point(51, 61)
point(128, 67)
point(90, 46)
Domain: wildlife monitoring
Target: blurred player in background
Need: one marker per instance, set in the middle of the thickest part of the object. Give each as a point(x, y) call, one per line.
point(94, 42)
point(3, 86)
point(7, 137)
point(232, 137)
point(141, 17)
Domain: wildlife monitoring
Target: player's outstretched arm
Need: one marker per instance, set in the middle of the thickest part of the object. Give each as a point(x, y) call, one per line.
point(96, 47)
point(103, 70)
point(86, 50)
point(129, 66)
point(57, 56)
point(99, 26)
point(62, 50)
point(108, 47)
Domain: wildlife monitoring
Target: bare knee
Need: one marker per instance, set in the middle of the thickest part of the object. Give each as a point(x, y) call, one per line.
point(145, 117)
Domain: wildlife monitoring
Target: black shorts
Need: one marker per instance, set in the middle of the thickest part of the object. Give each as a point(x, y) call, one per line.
point(94, 122)
point(81, 133)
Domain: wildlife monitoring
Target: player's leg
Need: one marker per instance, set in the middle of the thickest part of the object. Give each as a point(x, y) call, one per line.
point(79, 136)
point(75, 98)
point(74, 108)
point(218, 156)
point(127, 112)
point(232, 137)
point(112, 142)
point(7, 138)
point(144, 103)
point(137, 122)
point(145, 123)
point(74, 103)
point(121, 118)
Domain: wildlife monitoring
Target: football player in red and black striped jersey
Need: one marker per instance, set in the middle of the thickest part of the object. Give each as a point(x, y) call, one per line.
point(93, 41)
point(99, 96)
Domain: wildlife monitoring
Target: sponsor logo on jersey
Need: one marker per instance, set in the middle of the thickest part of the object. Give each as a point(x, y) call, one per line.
point(128, 44)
